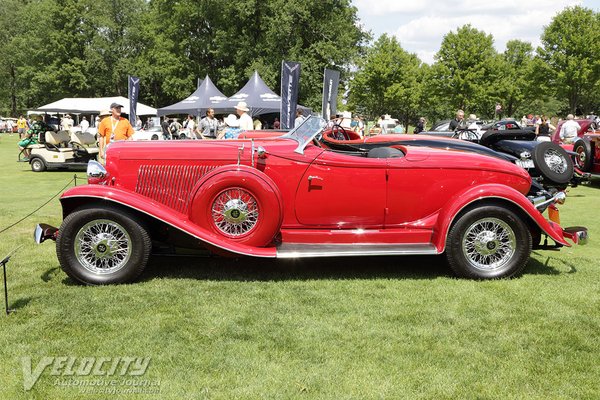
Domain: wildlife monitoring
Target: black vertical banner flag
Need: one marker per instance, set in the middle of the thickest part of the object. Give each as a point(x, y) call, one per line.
point(134, 91)
point(290, 79)
point(331, 80)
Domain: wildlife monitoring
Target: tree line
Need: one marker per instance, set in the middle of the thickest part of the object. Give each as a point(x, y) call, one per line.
point(86, 48)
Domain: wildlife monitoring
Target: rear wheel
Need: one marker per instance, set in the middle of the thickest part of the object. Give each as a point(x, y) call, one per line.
point(37, 164)
point(98, 246)
point(154, 137)
point(488, 242)
point(583, 160)
point(553, 163)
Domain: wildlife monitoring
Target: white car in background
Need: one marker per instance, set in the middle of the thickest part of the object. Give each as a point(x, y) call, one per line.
point(153, 133)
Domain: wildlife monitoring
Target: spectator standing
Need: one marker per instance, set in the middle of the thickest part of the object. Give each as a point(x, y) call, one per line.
point(524, 120)
point(569, 130)
point(420, 125)
point(9, 126)
point(174, 128)
point(257, 124)
point(361, 126)
point(138, 123)
point(67, 123)
point(245, 120)
point(544, 127)
point(231, 129)
point(190, 125)
point(209, 125)
point(458, 121)
point(164, 126)
point(276, 123)
point(22, 127)
point(113, 129)
point(299, 118)
point(84, 125)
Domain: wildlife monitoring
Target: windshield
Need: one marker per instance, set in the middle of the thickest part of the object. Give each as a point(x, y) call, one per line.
point(304, 133)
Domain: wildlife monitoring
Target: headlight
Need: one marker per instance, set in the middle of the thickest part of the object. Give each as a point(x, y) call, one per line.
point(96, 172)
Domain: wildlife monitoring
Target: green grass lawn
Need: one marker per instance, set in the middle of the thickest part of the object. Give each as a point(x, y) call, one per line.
point(361, 328)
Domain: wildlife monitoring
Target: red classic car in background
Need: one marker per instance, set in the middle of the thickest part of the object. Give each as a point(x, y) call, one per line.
point(290, 197)
point(587, 146)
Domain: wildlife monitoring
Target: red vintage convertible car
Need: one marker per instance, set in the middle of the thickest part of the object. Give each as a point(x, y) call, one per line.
point(291, 197)
point(587, 146)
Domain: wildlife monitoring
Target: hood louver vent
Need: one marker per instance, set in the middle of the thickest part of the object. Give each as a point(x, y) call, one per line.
point(170, 184)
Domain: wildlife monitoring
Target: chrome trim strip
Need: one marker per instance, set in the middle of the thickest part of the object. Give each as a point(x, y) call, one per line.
point(300, 250)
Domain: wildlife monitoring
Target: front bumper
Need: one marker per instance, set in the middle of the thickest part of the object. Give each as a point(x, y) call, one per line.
point(44, 232)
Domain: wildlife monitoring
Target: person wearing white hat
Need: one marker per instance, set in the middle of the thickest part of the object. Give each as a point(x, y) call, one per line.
point(232, 129)
point(245, 120)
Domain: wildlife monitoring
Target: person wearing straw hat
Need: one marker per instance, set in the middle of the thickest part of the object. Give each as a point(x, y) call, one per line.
point(245, 120)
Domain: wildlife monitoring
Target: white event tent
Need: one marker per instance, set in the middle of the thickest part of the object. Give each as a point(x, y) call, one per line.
point(91, 106)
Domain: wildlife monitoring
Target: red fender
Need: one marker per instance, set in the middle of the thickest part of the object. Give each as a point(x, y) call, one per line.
point(233, 180)
point(92, 193)
point(491, 191)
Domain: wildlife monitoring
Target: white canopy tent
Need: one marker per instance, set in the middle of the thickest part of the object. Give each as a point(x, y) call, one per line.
point(91, 106)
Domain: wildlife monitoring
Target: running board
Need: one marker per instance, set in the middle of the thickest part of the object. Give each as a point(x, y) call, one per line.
point(299, 250)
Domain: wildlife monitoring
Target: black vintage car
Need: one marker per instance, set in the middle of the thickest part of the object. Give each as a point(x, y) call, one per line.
point(548, 163)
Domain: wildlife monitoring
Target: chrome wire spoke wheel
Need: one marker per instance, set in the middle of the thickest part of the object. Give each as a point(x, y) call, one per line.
point(102, 246)
point(489, 244)
point(235, 212)
point(555, 161)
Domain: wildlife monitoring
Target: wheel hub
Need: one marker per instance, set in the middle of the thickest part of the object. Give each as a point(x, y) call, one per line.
point(489, 244)
point(486, 243)
point(102, 246)
point(235, 212)
point(555, 161)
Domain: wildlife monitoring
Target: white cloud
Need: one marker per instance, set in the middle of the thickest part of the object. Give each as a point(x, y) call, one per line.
point(421, 25)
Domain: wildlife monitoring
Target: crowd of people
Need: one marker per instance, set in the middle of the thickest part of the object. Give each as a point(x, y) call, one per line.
point(118, 128)
point(228, 127)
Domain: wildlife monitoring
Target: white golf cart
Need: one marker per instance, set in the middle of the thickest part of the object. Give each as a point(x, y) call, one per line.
point(62, 150)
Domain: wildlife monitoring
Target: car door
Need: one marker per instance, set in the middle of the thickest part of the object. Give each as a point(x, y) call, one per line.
point(416, 190)
point(343, 191)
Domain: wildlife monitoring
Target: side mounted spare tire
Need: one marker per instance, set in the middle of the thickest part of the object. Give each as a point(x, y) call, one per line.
point(553, 163)
point(238, 205)
point(584, 159)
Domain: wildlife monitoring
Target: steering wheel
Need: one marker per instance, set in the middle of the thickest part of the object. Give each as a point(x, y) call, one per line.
point(466, 134)
point(339, 133)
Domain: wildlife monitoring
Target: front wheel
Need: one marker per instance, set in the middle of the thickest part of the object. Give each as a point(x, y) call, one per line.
point(37, 164)
point(488, 242)
point(102, 245)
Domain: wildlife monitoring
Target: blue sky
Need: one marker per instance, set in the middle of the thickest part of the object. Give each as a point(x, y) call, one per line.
point(420, 25)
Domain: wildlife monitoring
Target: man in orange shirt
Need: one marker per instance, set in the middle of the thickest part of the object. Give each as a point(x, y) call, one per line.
point(113, 128)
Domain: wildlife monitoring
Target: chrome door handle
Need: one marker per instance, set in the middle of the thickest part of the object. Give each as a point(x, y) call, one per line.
point(314, 178)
